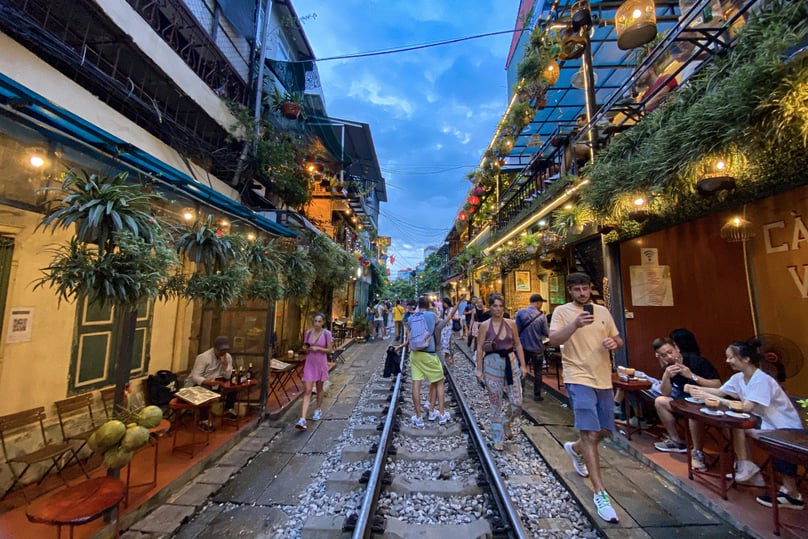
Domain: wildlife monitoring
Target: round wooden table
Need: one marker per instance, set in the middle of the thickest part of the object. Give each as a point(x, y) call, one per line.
point(78, 504)
point(630, 386)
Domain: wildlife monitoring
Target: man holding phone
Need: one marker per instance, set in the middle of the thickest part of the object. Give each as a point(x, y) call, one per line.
point(589, 334)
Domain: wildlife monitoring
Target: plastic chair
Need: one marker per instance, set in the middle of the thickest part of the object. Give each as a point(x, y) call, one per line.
point(49, 451)
point(68, 409)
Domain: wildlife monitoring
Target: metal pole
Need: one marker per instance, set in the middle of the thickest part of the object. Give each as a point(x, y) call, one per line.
point(589, 94)
point(259, 85)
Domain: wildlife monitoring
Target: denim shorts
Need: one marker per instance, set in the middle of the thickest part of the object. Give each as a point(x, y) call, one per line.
point(593, 408)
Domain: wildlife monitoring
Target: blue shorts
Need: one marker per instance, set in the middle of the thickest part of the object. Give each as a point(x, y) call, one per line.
point(593, 408)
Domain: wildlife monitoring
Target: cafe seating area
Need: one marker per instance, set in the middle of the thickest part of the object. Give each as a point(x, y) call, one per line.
point(740, 502)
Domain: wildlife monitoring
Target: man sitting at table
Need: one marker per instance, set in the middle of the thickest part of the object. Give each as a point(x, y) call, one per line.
point(681, 369)
point(211, 367)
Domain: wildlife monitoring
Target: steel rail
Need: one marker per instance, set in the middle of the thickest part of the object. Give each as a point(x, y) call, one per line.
point(499, 491)
point(363, 526)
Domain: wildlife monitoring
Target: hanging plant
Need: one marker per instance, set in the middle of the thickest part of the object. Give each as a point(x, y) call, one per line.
point(571, 221)
point(205, 244)
point(299, 273)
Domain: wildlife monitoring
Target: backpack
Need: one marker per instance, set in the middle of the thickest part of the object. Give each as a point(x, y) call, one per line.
point(161, 387)
point(420, 336)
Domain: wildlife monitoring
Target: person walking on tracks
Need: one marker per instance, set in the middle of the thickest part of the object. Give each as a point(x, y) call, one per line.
point(533, 329)
point(424, 362)
point(318, 343)
point(497, 344)
point(588, 333)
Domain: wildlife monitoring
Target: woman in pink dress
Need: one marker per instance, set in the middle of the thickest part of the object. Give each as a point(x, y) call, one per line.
point(318, 343)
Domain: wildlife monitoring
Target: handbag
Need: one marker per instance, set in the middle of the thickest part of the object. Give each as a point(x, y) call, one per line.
point(488, 345)
point(456, 325)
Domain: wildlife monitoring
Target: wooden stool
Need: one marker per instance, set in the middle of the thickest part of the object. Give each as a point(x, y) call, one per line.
point(78, 505)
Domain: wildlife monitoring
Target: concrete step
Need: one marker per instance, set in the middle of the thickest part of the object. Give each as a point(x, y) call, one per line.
point(443, 488)
point(398, 529)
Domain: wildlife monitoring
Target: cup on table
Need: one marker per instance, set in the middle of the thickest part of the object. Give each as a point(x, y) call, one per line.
point(629, 372)
point(290, 354)
point(712, 403)
point(736, 406)
point(621, 371)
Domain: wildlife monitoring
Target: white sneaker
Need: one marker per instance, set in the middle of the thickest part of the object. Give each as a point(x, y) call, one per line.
point(604, 506)
point(425, 406)
point(697, 460)
point(433, 415)
point(634, 422)
point(744, 471)
point(444, 418)
point(577, 461)
point(417, 422)
point(317, 415)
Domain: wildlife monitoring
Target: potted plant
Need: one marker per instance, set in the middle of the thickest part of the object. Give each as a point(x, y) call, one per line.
point(530, 242)
point(289, 104)
point(359, 325)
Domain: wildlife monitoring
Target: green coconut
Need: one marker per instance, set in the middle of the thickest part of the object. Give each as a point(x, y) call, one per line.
point(117, 457)
point(135, 438)
point(109, 434)
point(92, 443)
point(149, 417)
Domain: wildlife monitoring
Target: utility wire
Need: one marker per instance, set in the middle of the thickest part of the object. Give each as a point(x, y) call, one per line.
point(409, 48)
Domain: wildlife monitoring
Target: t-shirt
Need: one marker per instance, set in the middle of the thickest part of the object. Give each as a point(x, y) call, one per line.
point(699, 366)
point(398, 313)
point(532, 326)
point(585, 360)
point(379, 312)
point(771, 402)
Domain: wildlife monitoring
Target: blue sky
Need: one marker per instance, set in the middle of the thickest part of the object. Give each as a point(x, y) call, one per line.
point(432, 112)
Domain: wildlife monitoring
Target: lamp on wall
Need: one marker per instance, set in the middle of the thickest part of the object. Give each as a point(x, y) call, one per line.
point(551, 73)
point(635, 23)
point(737, 230)
point(715, 178)
point(640, 212)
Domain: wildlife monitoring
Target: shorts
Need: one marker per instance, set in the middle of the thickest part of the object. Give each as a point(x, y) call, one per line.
point(425, 365)
point(593, 408)
point(378, 324)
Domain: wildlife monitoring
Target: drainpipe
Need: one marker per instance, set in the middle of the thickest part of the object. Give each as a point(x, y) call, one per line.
point(259, 84)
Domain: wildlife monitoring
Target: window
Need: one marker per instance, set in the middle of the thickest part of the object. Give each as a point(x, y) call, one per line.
point(6, 253)
point(93, 360)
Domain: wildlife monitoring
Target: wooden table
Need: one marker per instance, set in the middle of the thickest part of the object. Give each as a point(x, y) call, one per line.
point(789, 453)
point(726, 455)
point(78, 504)
point(631, 385)
point(190, 448)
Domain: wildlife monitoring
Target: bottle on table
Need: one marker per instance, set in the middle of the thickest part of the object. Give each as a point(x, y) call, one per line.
point(242, 376)
point(234, 377)
point(250, 372)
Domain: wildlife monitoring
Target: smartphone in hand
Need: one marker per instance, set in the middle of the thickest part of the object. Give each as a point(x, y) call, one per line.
point(589, 308)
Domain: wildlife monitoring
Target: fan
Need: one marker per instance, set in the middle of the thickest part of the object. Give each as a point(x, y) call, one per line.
point(782, 358)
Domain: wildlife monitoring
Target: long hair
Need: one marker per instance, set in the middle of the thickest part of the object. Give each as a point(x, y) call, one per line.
point(686, 341)
point(748, 349)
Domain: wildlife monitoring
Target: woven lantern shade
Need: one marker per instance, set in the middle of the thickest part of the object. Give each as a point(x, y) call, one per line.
point(736, 230)
point(635, 23)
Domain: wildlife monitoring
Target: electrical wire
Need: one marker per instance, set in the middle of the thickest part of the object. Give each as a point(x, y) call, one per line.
point(382, 52)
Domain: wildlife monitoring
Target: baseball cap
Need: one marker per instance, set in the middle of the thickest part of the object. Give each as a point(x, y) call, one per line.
point(536, 297)
point(221, 343)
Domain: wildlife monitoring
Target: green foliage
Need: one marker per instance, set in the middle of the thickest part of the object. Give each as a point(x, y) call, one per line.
point(749, 102)
point(334, 266)
point(135, 269)
point(299, 273)
point(220, 289)
point(205, 244)
point(265, 263)
point(100, 206)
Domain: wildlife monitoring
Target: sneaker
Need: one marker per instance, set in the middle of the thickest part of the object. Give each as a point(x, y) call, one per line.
point(671, 446)
point(417, 422)
point(604, 506)
point(577, 461)
point(301, 424)
point(231, 414)
point(425, 406)
point(744, 471)
point(784, 501)
point(205, 426)
point(444, 418)
point(433, 415)
point(317, 415)
point(538, 398)
point(697, 461)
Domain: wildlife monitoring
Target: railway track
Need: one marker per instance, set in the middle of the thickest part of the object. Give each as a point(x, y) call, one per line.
point(446, 480)
point(444, 474)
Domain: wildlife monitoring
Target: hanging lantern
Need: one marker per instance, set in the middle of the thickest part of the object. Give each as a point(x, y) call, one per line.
point(635, 24)
point(366, 263)
point(478, 191)
point(551, 73)
point(474, 200)
point(462, 216)
point(715, 177)
point(736, 230)
point(472, 209)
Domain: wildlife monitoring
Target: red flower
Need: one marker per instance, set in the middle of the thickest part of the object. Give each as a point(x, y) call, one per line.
point(219, 232)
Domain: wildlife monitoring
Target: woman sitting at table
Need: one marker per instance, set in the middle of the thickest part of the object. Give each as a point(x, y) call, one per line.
point(761, 395)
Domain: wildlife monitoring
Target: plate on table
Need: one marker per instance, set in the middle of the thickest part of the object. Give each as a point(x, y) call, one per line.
point(717, 413)
point(738, 415)
point(694, 400)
